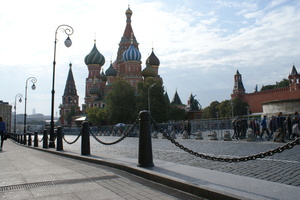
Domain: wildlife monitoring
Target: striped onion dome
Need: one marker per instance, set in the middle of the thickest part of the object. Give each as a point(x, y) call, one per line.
point(132, 54)
point(94, 90)
point(148, 71)
point(111, 71)
point(94, 57)
point(103, 76)
point(153, 60)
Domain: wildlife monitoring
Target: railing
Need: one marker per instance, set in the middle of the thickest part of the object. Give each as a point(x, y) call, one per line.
point(146, 123)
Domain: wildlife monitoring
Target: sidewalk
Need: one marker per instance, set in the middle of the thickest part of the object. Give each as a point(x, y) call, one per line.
point(47, 176)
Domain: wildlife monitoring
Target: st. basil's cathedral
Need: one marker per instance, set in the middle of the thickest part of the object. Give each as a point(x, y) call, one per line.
point(127, 66)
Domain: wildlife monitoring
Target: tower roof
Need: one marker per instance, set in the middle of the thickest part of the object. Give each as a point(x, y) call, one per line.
point(103, 76)
point(176, 99)
point(94, 57)
point(70, 88)
point(153, 60)
point(111, 71)
point(132, 54)
point(148, 71)
point(128, 37)
point(294, 71)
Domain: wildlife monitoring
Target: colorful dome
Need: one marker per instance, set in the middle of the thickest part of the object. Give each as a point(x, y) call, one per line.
point(148, 71)
point(111, 71)
point(94, 57)
point(153, 60)
point(132, 54)
point(94, 90)
point(103, 76)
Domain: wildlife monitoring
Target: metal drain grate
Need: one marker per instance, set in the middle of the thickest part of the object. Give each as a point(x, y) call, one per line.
point(51, 183)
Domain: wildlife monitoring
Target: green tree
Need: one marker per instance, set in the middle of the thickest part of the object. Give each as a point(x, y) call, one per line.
point(239, 107)
point(158, 103)
point(97, 116)
point(121, 102)
point(211, 110)
point(225, 109)
point(175, 113)
point(281, 84)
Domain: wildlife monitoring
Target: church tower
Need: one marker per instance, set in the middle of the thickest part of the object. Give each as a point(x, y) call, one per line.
point(294, 79)
point(127, 40)
point(238, 87)
point(70, 99)
point(94, 83)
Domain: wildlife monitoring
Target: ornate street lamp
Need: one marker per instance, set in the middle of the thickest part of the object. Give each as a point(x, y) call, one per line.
point(151, 86)
point(33, 80)
point(15, 108)
point(69, 31)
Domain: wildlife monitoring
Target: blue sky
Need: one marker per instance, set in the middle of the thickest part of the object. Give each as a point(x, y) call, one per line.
point(200, 44)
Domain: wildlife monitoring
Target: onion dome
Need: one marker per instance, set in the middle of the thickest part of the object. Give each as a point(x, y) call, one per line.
point(94, 57)
point(111, 71)
point(153, 60)
point(148, 71)
point(132, 54)
point(94, 90)
point(103, 76)
point(128, 11)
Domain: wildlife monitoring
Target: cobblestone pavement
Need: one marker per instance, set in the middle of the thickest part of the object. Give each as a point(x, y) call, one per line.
point(281, 167)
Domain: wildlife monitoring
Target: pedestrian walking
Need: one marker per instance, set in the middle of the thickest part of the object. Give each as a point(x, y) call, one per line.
point(2, 131)
point(264, 127)
point(289, 126)
point(273, 126)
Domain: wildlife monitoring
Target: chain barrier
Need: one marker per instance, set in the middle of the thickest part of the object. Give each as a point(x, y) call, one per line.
point(41, 139)
point(117, 141)
point(271, 152)
point(74, 140)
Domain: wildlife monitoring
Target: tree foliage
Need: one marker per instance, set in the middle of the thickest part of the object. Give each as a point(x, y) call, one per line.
point(225, 109)
point(281, 84)
point(97, 116)
point(121, 102)
point(151, 91)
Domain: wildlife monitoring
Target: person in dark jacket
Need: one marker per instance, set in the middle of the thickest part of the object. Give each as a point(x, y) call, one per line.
point(2, 131)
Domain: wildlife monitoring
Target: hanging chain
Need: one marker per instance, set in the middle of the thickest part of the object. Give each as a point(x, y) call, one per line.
point(74, 140)
point(117, 141)
point(221, 159)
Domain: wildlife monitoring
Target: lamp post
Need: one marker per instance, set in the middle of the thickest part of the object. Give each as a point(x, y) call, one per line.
point(151, 86)
point(33, 80)
point(15, 108)
point(69, 31)
point(231, 102)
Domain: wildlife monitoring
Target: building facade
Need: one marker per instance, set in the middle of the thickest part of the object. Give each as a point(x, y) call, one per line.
point(70, 101)
point(127, 66)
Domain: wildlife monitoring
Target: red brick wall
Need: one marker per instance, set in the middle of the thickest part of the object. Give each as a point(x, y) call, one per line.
point(256, 99)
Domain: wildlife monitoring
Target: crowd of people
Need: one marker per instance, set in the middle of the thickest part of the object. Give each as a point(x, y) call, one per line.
point(287, 126)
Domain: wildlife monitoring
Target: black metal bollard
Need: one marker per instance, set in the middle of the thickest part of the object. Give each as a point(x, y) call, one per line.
point(29, 139)
point(21, 139)
point(24, 139)
point(45, 140)
point(145, 145)
point(36, 140)
point(85, 139)
point(18, 138)
point(59, 140)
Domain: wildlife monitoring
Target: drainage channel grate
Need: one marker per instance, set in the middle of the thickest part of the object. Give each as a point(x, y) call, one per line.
point(58, 182)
